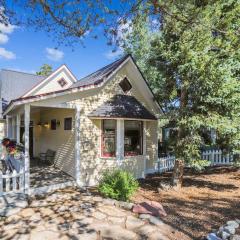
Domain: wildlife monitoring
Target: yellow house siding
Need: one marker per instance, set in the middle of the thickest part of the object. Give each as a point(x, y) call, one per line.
point(92, 165)
point(59, 140)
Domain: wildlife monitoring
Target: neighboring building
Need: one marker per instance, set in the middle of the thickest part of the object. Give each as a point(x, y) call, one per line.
point(13, 84)
point(103, 121)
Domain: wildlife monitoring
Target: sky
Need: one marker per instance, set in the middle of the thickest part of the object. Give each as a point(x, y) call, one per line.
point(24, 49)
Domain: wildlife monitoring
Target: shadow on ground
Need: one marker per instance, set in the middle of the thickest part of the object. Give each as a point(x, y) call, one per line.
point(206, 201)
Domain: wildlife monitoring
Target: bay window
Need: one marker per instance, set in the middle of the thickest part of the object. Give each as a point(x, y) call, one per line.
point(133, 132)
point(130, 138)
point(108, 138)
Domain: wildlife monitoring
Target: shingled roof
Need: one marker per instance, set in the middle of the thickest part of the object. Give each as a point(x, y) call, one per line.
point(122, 106)
point(99, 75)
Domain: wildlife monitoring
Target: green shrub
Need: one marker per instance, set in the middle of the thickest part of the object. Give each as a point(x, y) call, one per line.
point(118, 184)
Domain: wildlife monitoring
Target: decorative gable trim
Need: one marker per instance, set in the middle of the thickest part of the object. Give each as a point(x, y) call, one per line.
point(58, 70)
point(62, 82)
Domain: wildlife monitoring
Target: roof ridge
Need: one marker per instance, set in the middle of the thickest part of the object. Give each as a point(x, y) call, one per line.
point(11, 70)
point(106, 66)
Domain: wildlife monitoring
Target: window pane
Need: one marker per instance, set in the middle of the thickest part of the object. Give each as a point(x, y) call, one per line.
point(108, 138)
point(67, 123)
point(132, 138)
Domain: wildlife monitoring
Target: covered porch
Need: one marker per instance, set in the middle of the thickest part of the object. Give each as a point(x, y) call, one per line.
point(46, 127)
point(43, 176)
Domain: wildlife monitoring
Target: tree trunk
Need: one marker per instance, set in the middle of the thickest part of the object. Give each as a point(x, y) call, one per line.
point(177, 177)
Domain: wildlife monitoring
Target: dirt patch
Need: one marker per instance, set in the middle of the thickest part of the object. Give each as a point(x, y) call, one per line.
point(206, 201)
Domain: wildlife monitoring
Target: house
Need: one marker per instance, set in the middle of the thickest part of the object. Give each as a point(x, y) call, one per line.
point(106, 120)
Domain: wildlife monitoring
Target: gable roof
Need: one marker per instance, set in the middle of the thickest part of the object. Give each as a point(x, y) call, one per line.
point(48, 78)
point(91, 81)
point(99, 75)
point(21, 81)
point(122, 106)
point(94, 80)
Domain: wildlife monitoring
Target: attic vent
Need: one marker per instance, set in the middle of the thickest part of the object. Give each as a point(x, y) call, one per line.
point(62, 82)
point(125, 85)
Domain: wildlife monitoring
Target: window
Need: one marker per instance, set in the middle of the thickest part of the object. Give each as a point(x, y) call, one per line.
point(53, 124)
point(67, 123)
point(125, 85)
point(62, 82)
point(133, 138)
point(108, 138)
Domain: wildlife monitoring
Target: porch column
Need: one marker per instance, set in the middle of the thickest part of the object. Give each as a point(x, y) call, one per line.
point(13, 127)
point(18, 123)
point(77, 144)
point(7, 126)
point(144, 148)
point(26, 140)
point(120, 140)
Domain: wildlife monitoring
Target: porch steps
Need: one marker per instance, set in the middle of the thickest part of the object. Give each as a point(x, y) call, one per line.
point(12, 204)
point(51, 188)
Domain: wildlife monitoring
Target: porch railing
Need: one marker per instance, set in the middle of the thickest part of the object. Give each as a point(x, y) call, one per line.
point(11, 182)
point(217, 157)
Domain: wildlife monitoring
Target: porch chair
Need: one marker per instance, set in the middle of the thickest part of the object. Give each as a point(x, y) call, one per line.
point(48, 156)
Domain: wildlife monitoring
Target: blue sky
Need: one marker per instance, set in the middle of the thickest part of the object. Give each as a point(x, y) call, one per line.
point(25, 50)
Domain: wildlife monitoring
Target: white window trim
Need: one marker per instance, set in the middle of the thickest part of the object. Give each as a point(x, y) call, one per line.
point(120, 142)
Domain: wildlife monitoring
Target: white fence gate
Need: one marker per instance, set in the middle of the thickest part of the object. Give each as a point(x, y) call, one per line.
point(217, 157)
point(165, 164)
point(11, 182)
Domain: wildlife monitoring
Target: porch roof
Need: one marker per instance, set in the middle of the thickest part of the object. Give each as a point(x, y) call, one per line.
point(122, 106)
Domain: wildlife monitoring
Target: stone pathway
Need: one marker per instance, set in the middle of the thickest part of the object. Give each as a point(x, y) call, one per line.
point(71, 214)
point(12, 204)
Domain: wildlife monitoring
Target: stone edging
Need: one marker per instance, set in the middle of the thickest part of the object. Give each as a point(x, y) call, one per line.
point(128, 206)
point(226, 232)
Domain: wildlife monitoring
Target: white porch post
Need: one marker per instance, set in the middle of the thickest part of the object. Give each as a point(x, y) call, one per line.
point(18, 123)
point(7, 126)
point(26, 139)
point(77, 143)
point(120, 140)
point(144, 148)
point(13, 127)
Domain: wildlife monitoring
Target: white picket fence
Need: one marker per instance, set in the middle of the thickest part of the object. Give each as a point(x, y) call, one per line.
point(11, 182)
point(165, 164)
point(217, 157)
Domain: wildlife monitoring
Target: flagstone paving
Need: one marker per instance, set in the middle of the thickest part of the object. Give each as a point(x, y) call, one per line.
point(71, 214)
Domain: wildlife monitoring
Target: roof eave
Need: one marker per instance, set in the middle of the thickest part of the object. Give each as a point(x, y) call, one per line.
point(123, 118)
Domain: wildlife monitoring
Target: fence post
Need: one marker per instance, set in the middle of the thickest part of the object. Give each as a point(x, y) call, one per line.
point(212, 157)
point(14, 180)
point(21, 179)
point(1, 184)
point(7, 180)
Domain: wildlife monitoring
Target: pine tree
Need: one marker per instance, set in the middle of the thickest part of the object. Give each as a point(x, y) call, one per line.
point(192, 62)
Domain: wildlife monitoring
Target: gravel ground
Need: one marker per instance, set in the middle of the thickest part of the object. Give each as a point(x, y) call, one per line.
point(206, 201)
